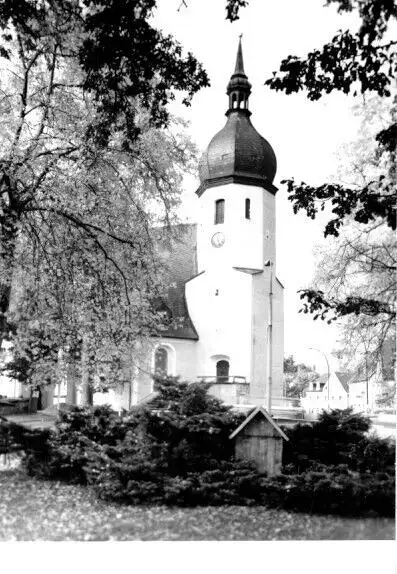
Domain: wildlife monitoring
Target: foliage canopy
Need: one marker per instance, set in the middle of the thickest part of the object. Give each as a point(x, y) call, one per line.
point(358, 62)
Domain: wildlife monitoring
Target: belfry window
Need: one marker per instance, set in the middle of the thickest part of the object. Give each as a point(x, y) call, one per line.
point(222, 371)
point(219, 211)
point(247, 208)
point(161, 361)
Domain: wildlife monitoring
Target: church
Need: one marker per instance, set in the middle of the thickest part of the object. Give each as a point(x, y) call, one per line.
point(224, 298)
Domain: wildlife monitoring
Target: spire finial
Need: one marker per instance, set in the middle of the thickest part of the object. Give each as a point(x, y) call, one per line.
point(239, 88)
point(239, 69)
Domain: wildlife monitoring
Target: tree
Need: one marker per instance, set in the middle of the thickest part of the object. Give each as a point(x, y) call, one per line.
point(72, 101)
point(82, 162)
point(360, 62)
point(387, 398)
point(121, 56)
point(77, 255)
point(96, 288)
point(297, 377)
point(360, 264)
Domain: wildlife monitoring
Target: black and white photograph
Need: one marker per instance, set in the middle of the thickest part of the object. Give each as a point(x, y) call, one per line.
point(198, 281)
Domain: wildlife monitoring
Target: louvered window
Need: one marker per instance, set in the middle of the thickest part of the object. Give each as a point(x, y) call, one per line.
point(247, 208)
point(219, 211)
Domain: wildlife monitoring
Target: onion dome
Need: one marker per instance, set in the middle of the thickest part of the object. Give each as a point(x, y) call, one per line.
point(238, 153)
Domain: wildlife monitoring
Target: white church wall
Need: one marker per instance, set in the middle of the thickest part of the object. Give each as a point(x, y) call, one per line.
point(269, 228)
point(229, 307)
point(260, 338)
point(219, 303)
point(184, 352)
point(278, 339)
point(243, 245)
point(181, 356)
point(181, 362)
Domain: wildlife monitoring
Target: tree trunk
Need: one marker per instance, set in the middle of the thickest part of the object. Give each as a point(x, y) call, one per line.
point(71, 396)
point(5, 292)
point(8, 242)
point(86, 387)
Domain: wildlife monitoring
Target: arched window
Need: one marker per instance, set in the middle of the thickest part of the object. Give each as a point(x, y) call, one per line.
point(161, 361)
point(247, 208)
point(220, 211)
point(222, 371)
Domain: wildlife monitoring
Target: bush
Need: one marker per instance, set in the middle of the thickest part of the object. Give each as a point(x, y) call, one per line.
point(63, 454)
point(177, 451)
point(338, 437)
point(134, 482)
point(183, 430)
point(332, 490)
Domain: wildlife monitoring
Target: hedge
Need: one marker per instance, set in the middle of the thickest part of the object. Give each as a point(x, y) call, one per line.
point(177, 451)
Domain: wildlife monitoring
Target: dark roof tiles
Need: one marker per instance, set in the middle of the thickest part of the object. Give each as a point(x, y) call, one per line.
point(238, 150)
point(344, 379)
point(178, 252)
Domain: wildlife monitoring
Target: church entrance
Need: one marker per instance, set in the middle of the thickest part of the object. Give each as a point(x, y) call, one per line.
point(222, 371)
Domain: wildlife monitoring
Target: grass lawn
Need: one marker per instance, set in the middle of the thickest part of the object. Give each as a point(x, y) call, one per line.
point(41, 510)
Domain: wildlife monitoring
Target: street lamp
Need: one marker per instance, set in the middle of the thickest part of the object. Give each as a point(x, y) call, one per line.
point(328, 371)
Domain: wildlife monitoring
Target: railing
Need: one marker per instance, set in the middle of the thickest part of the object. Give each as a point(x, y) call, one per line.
point(234, 389)
point(229, 389)
point(222, 379)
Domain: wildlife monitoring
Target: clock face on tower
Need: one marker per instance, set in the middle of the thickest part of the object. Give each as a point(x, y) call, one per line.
point(218, 239)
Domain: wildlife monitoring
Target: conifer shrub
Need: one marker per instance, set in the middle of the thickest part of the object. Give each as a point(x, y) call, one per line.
point(63, 454)
point(339, 437)
point(130, 456)
point(332, 490)
point(177, 451)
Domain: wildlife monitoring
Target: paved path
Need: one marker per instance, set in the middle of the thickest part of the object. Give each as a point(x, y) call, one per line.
point(33, 421)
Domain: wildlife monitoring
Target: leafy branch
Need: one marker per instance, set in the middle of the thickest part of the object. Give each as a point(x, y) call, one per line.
point(375, 200)
point(330, 309)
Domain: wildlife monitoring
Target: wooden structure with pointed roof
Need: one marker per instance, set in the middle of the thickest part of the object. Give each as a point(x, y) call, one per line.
point(260, 439)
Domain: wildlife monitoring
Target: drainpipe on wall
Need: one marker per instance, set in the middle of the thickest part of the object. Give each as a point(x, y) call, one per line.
point(269, 264)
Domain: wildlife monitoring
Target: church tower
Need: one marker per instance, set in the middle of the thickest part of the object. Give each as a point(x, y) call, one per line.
point(235, 301)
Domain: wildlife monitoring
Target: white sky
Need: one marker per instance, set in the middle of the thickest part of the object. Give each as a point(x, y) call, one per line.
point(305, 135)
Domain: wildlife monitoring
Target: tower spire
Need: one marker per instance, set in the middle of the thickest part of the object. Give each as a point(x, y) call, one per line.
point(238, 88)
point(239, 69)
